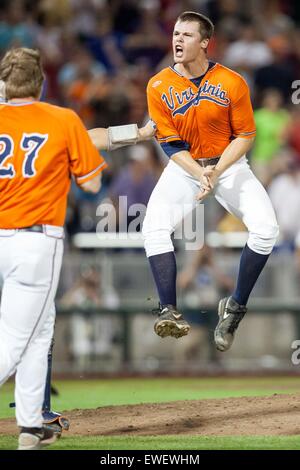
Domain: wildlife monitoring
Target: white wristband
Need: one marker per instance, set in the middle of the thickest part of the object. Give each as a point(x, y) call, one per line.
point(118, 136)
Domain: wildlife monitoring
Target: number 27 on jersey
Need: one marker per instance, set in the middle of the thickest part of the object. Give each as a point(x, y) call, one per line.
point(31, 144)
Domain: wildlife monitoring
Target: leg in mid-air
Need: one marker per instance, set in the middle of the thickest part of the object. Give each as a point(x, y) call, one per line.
point(172, 199)
point(250, 202)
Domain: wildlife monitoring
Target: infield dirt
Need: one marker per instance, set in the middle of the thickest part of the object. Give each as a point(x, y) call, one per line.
point(259, 416)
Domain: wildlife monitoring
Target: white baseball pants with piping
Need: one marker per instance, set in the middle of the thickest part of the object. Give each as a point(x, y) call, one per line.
point(237, 190)
point(30, 265)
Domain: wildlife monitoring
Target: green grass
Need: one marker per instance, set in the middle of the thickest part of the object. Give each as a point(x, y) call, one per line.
point(95, 393)
point(168, 443)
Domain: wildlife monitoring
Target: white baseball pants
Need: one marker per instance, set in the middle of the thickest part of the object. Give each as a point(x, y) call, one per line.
point(237, 190)
point(29, 267)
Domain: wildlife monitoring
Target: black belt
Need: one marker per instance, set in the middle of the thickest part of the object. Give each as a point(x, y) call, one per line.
point(32, 228)
point(208, 161)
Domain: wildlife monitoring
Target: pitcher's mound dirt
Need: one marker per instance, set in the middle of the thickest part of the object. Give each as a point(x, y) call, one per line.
point(271, 415)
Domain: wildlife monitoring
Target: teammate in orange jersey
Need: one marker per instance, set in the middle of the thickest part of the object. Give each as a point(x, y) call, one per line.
point(40, 146)
point(205, 125)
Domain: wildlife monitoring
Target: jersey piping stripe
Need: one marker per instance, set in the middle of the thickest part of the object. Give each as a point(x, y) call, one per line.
point(163, 139)
point(245, 133)
point(91, 172)
point(25, 103)
point(174, 70)
point(39, 317)
point(172, 67)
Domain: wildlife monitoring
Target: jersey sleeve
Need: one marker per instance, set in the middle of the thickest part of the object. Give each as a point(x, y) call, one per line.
point(85, 160)
point(241, 112)
point(166, 131)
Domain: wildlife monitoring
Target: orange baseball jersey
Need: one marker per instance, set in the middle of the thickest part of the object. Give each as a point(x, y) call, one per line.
point(207, 117)
point(41, 146)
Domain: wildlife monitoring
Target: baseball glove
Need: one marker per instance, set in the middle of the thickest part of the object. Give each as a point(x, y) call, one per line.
point(56, 422)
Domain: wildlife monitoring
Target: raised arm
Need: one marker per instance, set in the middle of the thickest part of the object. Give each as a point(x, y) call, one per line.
point(119, 136)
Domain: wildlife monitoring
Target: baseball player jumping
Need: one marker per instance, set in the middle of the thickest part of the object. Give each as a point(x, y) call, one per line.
point(205, 125)
point(40, 147)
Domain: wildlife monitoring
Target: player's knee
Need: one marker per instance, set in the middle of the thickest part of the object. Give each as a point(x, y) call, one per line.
point(8, 363)
point(263, 240)
point(156, 241)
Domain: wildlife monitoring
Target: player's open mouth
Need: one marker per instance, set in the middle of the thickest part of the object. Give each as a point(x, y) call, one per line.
point(178, 51)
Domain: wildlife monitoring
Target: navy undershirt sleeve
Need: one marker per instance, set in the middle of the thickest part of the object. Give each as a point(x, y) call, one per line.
point(175, 146)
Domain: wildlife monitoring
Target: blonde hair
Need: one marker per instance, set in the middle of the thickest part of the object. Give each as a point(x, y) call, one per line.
point(22, 72)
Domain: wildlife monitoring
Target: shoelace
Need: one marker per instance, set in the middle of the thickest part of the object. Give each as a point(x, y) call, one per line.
point(157, 311)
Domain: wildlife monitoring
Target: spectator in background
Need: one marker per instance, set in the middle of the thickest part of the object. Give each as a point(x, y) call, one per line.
point(57, 12)
point(108, 98)
point(75, 79)
point(271, 121)
point(97, 97)
point(228, 12)
point(134, 183)
point(91, 333)
point(51, 16)
point(280, 73)
point(81, 64)
point(294, 56)
point(104, 43)
point(201, 283)
point(84, 16)
point(99, 54)
point(135, 85)
point(230, 223)
point(126, 16)
point(293, 132)
point(15, 29)
point(83, 216)
point(249, 51)
point(271, 18)
point(149, 40)
point(201, 280)
point(284, 192)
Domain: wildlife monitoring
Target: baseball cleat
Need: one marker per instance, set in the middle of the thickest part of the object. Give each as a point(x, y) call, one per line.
point(230, 314)
point(170, 322)
point(55, 422)
point(35, 438)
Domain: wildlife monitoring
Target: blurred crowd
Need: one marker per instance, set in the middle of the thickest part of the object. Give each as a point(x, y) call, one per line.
point(99, 55)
